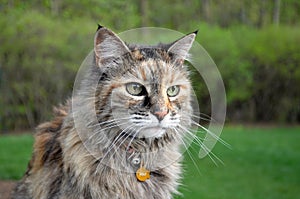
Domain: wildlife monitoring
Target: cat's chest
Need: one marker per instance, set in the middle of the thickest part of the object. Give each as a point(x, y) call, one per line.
point(150, 162)
point(150, 184)
point(140, 174)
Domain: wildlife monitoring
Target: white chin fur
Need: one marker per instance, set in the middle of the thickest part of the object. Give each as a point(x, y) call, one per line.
point(151, 132)
point(152, 128)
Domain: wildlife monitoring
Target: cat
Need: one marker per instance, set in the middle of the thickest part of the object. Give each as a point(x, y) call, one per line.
point(120, 135)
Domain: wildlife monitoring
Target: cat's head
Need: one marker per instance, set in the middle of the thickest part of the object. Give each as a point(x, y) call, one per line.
point(145, 90)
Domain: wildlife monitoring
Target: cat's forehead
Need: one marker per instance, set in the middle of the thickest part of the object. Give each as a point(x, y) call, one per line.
point(158, 52)
point(156, 71)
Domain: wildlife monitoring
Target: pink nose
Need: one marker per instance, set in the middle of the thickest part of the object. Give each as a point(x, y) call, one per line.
point(160, 115)
point(160, 112)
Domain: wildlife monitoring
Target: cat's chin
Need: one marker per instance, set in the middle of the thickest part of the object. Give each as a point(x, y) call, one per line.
point(152, 132)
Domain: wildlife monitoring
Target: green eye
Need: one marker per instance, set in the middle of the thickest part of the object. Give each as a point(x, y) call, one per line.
point(135, 89)
point(173, 91)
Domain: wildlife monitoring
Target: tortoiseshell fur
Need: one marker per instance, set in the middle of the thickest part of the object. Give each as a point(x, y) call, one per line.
point(98, 162)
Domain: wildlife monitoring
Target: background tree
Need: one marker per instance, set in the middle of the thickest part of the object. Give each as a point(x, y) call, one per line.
point(42, 44)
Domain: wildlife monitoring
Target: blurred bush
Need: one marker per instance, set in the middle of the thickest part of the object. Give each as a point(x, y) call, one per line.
point(274, 54)
point(39, 60)
point(260, 69)
point(40, 53)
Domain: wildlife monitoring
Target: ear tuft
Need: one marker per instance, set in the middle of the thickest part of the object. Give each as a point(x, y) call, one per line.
point(108, 46)
point(196, 32)
point(99, 27)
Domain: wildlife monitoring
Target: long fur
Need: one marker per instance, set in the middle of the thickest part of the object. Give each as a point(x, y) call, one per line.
point(90, 151)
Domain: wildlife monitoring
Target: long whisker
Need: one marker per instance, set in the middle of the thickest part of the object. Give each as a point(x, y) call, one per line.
point(210, 154)
point(203, 117)
point(134, 136)
point(114, 142)
point(112, 125)
point(113, 145)
point(120, 144)
point(213, 135)
point(111, 121)
point(189, 153)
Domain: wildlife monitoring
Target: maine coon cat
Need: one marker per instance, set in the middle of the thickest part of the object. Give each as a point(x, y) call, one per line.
point(120, 135)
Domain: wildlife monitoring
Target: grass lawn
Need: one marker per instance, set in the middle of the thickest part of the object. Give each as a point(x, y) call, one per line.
point(15, 152)
point(263, 163)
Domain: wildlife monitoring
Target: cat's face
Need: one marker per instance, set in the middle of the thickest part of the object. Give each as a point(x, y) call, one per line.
point(151, 98)
point(147, 89)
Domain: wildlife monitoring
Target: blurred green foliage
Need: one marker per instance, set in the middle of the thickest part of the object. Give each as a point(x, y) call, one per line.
point(39, 60)
point(42, 44)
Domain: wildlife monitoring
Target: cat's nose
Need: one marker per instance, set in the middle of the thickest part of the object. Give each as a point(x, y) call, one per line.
point(159, 112)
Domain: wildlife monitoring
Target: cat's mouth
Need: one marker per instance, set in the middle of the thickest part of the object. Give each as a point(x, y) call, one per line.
point(152, 132)
point(146, 132)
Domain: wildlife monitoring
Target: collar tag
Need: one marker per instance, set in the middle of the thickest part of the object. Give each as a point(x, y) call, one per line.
point(142, 174)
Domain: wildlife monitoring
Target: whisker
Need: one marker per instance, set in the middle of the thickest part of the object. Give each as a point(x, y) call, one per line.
point(121, 135)
point(111, 121)
point(189, 153)
point(205, 118)
point(133, 137)
point(191, 134)
point(213, 135)
point(114, 142)
point(210, 154)
point(112, 125)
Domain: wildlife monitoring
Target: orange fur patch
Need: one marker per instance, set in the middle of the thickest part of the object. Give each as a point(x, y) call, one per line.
point(136, 54)
point(39, 150)
point(143, 74)
point(46, 134)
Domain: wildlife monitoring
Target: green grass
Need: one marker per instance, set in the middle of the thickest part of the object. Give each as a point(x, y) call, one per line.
point(15, 152)
point(264, 163)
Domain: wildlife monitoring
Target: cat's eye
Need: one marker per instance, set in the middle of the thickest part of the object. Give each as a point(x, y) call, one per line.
point(173, 91)
point(135, 89)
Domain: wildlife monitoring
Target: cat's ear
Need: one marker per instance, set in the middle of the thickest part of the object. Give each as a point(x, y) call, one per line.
point(108, 46)
point(182, 46)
